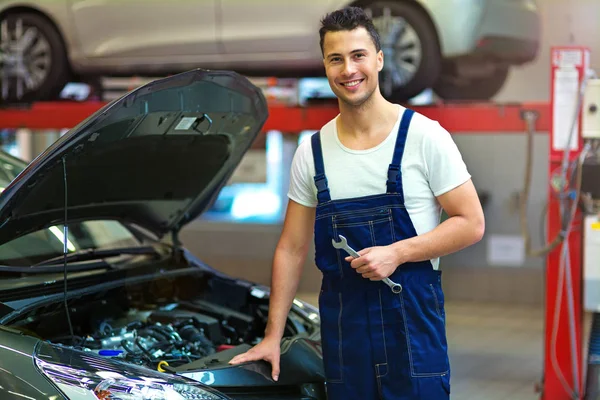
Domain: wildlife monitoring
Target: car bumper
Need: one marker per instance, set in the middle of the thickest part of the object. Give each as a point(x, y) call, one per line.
point(510, 30)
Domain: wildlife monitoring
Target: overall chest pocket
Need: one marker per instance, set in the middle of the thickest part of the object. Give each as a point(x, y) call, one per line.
point(365, 228)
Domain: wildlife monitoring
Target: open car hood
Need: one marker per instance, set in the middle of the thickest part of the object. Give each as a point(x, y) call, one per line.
point(156, 157)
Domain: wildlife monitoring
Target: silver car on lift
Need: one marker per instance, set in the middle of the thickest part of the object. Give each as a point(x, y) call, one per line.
point(463, 49)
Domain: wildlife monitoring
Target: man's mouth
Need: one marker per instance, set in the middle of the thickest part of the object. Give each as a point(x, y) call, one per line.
point(352, 84)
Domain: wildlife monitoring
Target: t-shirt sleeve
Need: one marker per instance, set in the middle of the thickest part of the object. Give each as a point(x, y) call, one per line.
point(444, 163)
point(302, 189)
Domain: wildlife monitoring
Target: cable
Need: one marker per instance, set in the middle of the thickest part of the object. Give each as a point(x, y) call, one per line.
point(65, 250)
point(565, 270)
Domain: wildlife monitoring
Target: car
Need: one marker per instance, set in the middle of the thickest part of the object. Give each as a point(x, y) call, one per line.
point(98, 297)
point(463, 49)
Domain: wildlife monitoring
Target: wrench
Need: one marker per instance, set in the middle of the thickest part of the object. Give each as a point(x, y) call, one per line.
point(343, 244)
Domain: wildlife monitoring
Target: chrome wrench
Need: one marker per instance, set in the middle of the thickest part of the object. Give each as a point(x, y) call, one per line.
point(343, 245)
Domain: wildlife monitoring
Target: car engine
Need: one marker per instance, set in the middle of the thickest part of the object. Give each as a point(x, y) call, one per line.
point(161, 340)
point(169, 336)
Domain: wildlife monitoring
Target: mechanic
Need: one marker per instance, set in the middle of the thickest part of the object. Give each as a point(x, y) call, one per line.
point(378, 174)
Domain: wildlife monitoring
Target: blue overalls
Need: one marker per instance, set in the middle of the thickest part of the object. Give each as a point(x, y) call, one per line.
point(377, 344)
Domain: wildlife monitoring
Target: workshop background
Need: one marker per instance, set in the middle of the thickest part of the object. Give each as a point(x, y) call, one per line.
point(497, 162)
point(495, 294)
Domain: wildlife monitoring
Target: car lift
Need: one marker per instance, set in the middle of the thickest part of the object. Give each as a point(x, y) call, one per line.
point(564, 371)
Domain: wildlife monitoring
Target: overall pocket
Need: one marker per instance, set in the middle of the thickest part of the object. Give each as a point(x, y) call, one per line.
point(364, 229)
point(331, 309)
point(424, 323)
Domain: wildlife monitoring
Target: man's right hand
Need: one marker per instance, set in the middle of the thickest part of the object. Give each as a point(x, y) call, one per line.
point(269, 350)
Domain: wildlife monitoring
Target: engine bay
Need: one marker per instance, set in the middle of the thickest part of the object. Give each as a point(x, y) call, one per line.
point(160, 324)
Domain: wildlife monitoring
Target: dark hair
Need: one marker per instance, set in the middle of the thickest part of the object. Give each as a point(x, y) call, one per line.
point(347, 19)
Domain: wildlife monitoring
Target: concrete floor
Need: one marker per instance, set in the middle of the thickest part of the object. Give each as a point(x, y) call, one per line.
point(496, 351)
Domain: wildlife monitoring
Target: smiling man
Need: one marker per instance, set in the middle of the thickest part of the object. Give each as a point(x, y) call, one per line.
point(377, 175)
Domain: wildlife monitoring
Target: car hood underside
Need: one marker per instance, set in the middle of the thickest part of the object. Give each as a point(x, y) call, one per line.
point(156, 157)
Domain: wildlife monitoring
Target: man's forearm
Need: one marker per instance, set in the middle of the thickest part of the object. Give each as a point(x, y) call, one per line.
point(287, 270)
point(452, 235)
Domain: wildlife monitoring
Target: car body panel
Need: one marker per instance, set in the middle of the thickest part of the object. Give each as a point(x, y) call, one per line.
point(301, 358)
point(280, 28)
point(195, 126)
point(169, 29)
point(457, 30)
point(511, 19)
point(18, 377)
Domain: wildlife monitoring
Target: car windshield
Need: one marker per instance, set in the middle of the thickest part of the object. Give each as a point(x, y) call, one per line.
point(45, 244)
point(10, 167)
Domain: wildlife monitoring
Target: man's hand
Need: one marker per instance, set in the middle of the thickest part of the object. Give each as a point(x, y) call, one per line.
point(268, 350)
point(376, 263)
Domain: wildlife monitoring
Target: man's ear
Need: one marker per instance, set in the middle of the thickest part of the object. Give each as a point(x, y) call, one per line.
point(380, 60)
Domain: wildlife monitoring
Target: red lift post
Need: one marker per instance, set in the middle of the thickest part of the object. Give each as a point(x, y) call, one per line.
point(563, 366)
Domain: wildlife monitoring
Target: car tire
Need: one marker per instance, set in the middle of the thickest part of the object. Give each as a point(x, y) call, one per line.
point(427, 64)
point(47, 48)
point(474, 89)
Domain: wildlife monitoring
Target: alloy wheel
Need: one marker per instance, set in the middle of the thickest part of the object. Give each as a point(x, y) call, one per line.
point(401, 46)
point(25, 58)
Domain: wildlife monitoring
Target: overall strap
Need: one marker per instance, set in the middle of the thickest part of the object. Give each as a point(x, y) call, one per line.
point(394, 181)
point(320, 178)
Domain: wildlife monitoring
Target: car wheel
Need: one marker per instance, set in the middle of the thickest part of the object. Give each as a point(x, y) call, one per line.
point(412, 59)
point(33, 62)
point(479, 88)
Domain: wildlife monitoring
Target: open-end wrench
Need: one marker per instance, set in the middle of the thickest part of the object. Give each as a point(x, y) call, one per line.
point(343, 244)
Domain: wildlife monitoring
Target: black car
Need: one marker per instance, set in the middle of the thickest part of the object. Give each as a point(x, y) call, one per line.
point(98, 298)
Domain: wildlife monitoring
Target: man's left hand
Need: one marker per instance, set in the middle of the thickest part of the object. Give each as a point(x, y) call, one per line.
point(375, 263)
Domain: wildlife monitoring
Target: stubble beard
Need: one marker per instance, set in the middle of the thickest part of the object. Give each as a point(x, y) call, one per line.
point(360, 103)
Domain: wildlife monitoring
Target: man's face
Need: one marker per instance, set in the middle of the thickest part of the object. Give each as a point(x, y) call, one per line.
point(352, 65)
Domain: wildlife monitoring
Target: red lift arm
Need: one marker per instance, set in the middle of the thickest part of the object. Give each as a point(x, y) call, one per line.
point(456, 118)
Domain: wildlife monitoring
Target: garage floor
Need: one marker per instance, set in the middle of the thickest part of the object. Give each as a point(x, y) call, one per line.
point(496, 351)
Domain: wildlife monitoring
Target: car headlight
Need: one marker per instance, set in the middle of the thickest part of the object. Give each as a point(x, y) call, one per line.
point(86, 376)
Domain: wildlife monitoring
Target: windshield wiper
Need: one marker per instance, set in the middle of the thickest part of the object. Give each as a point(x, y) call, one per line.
point(55, 268)
point(93, 254)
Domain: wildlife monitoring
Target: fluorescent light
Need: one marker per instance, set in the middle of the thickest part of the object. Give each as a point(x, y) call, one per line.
point(60, 236)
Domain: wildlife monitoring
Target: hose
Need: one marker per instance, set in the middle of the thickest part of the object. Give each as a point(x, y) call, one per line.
point(530, 118)
point(565, 271)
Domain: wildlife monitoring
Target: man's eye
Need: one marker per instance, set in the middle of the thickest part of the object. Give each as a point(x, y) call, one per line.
point(360, 55)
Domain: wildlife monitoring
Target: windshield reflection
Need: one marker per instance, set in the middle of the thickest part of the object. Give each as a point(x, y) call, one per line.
point(48, 243)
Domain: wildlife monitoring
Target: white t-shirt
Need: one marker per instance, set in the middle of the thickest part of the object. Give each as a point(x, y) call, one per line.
point(431, 166)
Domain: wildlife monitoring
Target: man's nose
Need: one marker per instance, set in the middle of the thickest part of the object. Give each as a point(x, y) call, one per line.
point(349, 68)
